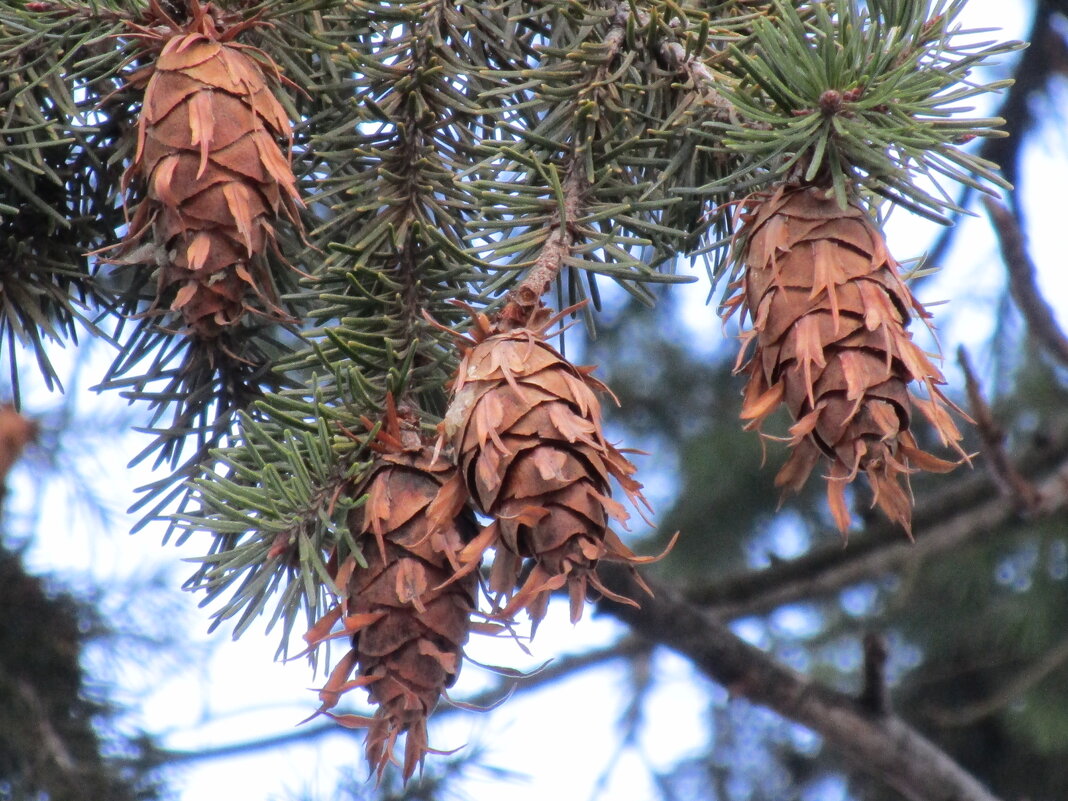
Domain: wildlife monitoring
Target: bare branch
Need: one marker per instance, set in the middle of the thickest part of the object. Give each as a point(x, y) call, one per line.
point(883, 745)
point(1035, 672)
point(1040, 318)
point(1013, 486)
point(565, 666)
point(1033, 73)
point(966, 511)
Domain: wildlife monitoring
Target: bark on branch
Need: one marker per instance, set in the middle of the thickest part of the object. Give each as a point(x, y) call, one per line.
point(558, 246)
point(883, 745)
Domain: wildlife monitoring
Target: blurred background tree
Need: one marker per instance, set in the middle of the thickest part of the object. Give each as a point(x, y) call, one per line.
point(433, 171)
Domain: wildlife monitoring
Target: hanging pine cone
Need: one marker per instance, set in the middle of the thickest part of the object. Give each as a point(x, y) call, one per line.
point(829, 313)
point(408, 617)
point(526, 426)
point(214, 176)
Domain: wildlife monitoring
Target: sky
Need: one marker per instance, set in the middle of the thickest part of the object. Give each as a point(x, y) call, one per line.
point(233, 691)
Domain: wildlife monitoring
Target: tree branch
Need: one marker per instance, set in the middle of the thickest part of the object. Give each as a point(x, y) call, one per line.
point(1012, 486)
point(559, 244)
point(558, 669)
point(1027, 678)
point(964, 512)
point(1041, 321)
point(883, 745)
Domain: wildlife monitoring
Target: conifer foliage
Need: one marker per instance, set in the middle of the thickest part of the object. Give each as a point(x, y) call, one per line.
point(460, 169)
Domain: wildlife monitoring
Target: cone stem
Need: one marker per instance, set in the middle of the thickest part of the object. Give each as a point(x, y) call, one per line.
point(560, 242)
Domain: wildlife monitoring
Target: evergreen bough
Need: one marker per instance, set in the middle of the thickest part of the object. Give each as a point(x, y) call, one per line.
point(451, 156)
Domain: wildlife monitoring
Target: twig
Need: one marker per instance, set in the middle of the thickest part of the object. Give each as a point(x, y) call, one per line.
point(525, 299)
point(1040, 318)
point(704, 82)
point(875, 697)
point(884, 746)
point(1013, 486)
point(1053, 659)
point(558, 245)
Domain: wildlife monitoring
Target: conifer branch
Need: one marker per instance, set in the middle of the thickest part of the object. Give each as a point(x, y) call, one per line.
point(1036, 310)
point(690, 63)
point(451, 151)
point(558, 247)
point(964, 512)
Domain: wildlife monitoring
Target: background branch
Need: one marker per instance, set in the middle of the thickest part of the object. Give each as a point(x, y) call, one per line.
point(1027, 678)
point(1041, 321)
point(883, 745)
point(556, 670)
point(1013, 487)
point(964, 512)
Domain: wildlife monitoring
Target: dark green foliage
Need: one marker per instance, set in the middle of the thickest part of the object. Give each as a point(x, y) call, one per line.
point(58, 185)
point(51, 741)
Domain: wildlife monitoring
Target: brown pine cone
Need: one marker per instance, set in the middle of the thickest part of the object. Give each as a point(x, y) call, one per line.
point(829, 313)
point(409, 616)
point(215, 178)
point(526, 427)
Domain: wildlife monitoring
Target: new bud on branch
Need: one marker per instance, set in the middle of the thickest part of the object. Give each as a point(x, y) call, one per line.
point(829, 312)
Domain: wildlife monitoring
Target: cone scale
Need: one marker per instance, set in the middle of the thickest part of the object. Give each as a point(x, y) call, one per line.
point(829, 314)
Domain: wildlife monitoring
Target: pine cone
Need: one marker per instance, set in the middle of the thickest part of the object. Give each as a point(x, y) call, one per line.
point(215, 178)
point(829, 313)
point(408, 615)
point(526, 426)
